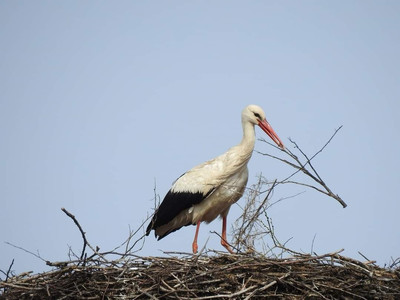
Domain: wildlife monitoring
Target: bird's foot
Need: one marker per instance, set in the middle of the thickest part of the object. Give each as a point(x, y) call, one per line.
point(225, 244)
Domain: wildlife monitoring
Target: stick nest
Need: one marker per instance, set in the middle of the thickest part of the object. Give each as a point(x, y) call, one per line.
point(219, 276)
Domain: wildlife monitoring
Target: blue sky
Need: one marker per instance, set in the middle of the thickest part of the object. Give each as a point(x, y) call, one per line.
point(100, 100)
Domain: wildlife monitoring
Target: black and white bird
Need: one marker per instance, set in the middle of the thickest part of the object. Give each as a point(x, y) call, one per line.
point(209, 189)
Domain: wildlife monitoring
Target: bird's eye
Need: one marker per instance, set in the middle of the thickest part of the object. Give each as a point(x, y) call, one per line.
point(257, 116)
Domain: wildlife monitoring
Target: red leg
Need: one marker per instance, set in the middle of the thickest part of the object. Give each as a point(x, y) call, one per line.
point(194, 245)
point(224, 240)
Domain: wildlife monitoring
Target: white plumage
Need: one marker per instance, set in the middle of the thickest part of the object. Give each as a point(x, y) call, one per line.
point(209, 189)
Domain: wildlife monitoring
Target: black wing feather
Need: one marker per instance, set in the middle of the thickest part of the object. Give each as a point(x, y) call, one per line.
point(171, 206)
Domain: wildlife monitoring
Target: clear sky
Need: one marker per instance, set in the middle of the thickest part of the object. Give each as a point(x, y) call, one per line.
point(101, 99)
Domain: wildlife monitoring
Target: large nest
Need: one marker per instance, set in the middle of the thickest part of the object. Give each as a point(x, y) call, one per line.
point(220, 276)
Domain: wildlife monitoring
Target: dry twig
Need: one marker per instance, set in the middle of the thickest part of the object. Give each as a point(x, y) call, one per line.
point(300, 166)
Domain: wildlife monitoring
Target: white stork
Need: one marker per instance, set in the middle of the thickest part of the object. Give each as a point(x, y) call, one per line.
point(209, 189)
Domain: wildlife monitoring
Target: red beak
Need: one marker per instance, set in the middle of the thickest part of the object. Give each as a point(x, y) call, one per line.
point(271, 133)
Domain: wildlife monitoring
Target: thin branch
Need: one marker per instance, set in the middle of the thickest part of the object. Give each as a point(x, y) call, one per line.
point(85, 242)
point(7, 274)
point(83, 257)
point(299, 166)
point(27, 251)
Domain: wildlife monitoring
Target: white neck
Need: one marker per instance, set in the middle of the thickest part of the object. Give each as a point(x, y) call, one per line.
point(249, 138)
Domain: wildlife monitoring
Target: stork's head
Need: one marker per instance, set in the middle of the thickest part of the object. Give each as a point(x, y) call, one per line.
point(256, 116)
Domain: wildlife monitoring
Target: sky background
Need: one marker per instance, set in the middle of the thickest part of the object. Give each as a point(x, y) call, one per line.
point(100, 100)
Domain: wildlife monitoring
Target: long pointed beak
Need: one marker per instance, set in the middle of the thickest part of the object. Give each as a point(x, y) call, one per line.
point(271, 133)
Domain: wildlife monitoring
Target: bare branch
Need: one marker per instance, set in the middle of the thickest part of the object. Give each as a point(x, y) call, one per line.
point(83, 256)
point(299, 166)
point(8, 273)
point(85, 242)
point(27, 251)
